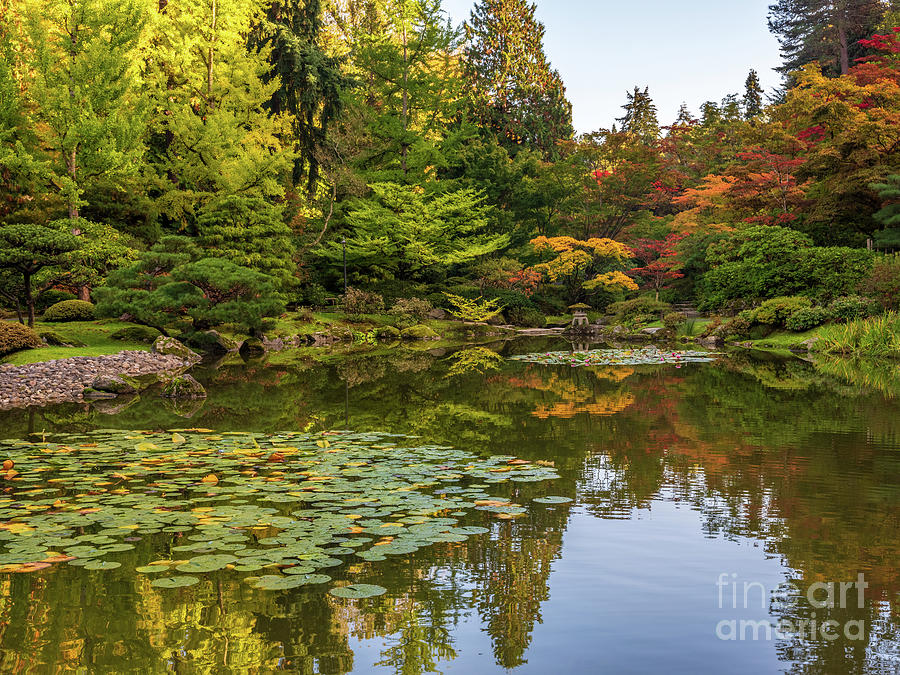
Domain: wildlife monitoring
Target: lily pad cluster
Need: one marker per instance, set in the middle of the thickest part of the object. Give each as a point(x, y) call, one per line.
point(617, 357)
point(281, 507)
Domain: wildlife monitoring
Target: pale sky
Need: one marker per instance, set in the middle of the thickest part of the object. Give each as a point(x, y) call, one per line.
point(685, 50)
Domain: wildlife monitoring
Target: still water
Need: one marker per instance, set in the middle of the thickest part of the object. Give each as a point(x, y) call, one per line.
point(710, 500)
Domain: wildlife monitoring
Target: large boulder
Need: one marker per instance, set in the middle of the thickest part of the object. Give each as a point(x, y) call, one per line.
point(420, 332)
point(211, 342)
point(116, 384)
point(252, 347)
point(387, 333)
point(438, 313)
point(169, 345)
point(184, 386)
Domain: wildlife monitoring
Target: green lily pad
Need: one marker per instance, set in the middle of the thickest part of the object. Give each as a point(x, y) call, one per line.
point(358, 591)
point(551, 500)
point(175, 582)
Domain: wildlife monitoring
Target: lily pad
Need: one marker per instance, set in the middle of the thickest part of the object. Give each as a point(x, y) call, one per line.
point(175, 582)
point(551, 500)
point(358, 591)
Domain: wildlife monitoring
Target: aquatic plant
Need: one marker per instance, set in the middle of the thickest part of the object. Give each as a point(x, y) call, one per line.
point(622, 357)
point(285, 505)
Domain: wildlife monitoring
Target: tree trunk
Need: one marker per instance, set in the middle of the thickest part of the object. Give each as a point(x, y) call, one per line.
point(845, 53)
point(29, 299)
point(72, 169)
point(84, 293)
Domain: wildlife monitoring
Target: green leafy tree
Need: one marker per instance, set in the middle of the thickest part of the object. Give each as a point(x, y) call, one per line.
point(171, 280)
point(84, 89)
point(889, 215)
point(27, 249)
point(213, 135)
point(404, 232)
point(250, 232)
point(514, 91)
point(753, 96)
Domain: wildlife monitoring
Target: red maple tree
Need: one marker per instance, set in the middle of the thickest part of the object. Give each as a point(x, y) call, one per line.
point(661, 262)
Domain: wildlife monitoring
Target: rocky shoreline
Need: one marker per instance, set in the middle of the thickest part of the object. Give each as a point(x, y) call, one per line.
point(65, 380)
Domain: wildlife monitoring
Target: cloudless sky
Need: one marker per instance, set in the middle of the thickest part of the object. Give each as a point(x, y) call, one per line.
point(685, 50)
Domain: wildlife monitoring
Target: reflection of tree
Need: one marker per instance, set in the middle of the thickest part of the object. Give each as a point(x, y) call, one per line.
point(474, 360)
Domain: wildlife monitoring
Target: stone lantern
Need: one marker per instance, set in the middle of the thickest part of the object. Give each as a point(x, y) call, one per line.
point(580, 317)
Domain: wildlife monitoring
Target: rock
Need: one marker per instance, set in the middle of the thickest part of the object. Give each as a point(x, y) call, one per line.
point(497, 320)
point(211, 342)
point(387, 333)
point(420, 332)
point(115, 384)
point(808, 345)
point(439, 314)
point(652, 331)
point(275, 345)
point(619, 330)
point(252, 347)
point(184, 386)
point(90, 394)
point(713, 341)
point(139, 334)
point(169, 345)
point(54, 339)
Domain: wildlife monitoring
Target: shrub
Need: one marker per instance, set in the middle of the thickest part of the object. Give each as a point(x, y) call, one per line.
point(807, 319)
point(412, 308)
point(737, 327)
point(356, 301)
point(313, 295)
point(883, 281)
point(528, 318)
point(673, 320)
point(473, 310)
point(140, 334)
point(70, 310)
point(712, 328)
point(51, 297)
point(852, 307)
point(775, 312)
point(15, 337)
point(639, 309)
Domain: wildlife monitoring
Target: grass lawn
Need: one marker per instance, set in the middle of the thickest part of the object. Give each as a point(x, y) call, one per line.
point(784, 339)
point(94, 334)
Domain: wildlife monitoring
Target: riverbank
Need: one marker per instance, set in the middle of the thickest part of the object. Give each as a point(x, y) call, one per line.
point(64, 380)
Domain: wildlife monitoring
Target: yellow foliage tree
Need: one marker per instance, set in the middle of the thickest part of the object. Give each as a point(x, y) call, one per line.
point(584, 265)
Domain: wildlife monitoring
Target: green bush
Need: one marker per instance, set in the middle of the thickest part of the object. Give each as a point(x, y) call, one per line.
point(139, 334)
point(528, 318)
point(51, 297)
point(737, 327)
point(15, 337)
point(356, 301)
point(883, 281)
point(807, 319)
point(412, 308)
point(313, 295)
point(852, 307)
point(673, 320)
point(644, 308)
point(70, 310)
point(777, 311)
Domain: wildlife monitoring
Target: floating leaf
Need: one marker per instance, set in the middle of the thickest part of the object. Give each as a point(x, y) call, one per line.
point(175, 582)
point(551, 500)
point(358, 591)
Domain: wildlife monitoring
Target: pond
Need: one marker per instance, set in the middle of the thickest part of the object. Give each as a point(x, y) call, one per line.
point(708, 500)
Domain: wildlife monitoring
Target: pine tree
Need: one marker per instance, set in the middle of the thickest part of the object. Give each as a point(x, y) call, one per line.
point(753, 96)
point(310, 80)
point(514, 91)
point(827, 31)
point(640, 118)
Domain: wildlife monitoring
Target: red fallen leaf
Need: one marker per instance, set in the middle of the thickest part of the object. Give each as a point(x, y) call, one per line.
point(518, 461)
point(8, 464)
point(276, 457)
point(31, 567)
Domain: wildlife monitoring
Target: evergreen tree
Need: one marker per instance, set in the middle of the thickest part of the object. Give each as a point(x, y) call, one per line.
point(753, 96)
point(310, 80)
point(213, 134)
point(827, 31)
point(640, 116)
point(514, 91)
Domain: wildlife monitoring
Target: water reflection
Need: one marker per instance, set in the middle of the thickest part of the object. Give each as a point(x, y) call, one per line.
point(780, 471)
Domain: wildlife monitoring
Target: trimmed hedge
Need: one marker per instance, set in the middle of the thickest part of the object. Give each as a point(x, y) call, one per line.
point(15, 337)
point(70, 310)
